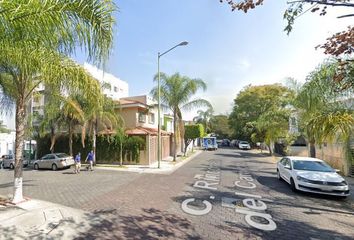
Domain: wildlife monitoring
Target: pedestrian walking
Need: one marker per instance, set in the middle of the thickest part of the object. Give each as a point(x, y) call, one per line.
point(78, 163)
point(89, 158)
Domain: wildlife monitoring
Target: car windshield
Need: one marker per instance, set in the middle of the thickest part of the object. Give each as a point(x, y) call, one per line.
point(62, 155)
point(243, 142)
point(312, 166)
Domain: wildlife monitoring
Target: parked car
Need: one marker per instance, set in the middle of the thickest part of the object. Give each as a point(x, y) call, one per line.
point(54, 161)
point(233, 143)
point(311, 175)
point(225, 142)
point(8, 161)
point(244, 145)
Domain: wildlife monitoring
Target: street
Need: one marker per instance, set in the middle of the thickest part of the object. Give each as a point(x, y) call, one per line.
point(223, 194)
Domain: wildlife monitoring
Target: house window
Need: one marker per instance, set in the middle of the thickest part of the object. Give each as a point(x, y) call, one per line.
point(152, 118)
point(115, 89)
point(141, 117)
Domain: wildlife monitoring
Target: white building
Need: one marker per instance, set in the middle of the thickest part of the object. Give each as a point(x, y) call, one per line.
point(114, 87)
point(7, 143)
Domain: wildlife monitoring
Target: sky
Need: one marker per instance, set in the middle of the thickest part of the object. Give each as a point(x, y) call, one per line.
point(228, 50)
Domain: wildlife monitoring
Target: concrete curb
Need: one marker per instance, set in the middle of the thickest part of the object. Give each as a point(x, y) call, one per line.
point(167, 167)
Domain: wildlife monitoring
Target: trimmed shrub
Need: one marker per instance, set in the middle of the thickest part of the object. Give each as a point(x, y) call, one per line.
point(107, 147)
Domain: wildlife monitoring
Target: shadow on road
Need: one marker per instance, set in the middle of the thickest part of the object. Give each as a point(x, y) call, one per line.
point(148, 223)
point(11, 184)
point(292, 229)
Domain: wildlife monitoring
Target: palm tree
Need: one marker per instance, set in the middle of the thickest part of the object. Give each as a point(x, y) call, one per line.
point(176, 93)
point(101, 114)
point(31, 35)
point(321, 113)
point(22, 69)
point(61, 25)
point(204, 118)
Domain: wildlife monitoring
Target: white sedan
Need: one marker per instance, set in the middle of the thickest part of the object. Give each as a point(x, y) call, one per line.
point(311, 175)
point(244, 145)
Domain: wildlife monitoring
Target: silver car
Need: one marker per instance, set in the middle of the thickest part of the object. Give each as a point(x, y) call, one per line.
point(8, 161)
point(54, 161)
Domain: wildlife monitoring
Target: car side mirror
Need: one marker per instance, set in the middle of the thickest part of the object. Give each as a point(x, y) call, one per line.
point(287, 167)
point(337, 170)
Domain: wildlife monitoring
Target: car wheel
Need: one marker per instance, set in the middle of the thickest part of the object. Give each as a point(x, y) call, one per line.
point(292, 185)
point(12, 166)
point(36, 167)
point(278, 175)
point(54, 167)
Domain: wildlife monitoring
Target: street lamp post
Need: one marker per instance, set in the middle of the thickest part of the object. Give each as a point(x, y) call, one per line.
point(159, 101)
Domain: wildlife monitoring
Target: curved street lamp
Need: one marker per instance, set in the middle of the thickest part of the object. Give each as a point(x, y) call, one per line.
point(184, 43)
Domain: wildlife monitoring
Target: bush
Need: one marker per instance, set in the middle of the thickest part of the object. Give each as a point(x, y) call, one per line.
point(107, 147)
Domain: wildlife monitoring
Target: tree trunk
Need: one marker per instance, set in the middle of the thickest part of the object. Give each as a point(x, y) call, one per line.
point(52, 139)
point(121, 151)
point(94, 142)
point(181, 133)
point(271, 147)
point(70, 139)
point(20, 131)
point(174, 135)
point(312, 148)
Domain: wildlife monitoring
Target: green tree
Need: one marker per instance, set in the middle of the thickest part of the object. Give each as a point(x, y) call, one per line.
point(274, 125)
point(34, 35)
point(191, 133)
point(220, 126)
point(176, 93)
point(251, 103)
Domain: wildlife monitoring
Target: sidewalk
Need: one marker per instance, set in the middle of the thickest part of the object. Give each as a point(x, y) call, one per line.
point(167, 166)
point(36, 219)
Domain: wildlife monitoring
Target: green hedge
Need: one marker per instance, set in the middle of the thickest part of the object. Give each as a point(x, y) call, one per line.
point(107, 147)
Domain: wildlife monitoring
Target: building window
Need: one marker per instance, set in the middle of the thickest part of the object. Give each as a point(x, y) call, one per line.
point(141, 117)
point(152, 118)
point(115, 89)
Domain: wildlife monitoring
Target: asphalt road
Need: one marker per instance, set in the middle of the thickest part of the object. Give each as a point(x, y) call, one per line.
point(223, 194)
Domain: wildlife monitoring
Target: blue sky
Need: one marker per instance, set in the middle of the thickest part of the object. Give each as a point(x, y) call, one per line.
point(228, 50)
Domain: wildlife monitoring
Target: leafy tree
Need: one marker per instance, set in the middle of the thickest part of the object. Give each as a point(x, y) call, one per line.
point(220, 126)
point(35, 35)
point(191, 132)
point(251, 103)
point(176, 93)
point(274, 124)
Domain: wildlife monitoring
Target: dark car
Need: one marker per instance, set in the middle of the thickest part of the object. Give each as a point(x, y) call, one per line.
point(226, 142)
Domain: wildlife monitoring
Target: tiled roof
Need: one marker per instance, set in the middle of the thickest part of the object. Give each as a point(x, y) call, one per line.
point(145, 131)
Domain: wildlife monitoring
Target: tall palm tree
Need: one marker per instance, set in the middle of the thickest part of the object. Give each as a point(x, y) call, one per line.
point(32, 32)
point(101, 115)
point(177, 92)
point(21, 71)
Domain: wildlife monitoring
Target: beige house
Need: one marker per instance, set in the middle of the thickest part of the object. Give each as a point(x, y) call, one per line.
point(140, 115)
